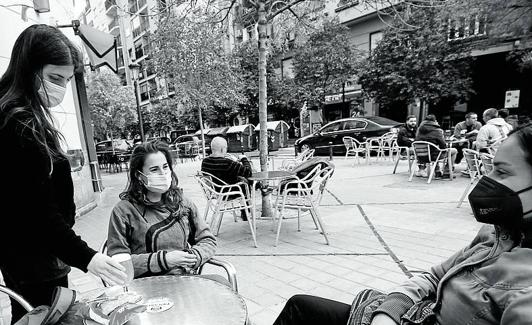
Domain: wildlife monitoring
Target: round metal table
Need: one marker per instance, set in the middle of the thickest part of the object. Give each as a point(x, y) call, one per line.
point(197, 301)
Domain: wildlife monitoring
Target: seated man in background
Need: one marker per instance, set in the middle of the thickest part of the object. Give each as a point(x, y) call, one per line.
point(495, 130)
point(226, 167)
point(431, 131)
point(407, 132)
point(467, 129)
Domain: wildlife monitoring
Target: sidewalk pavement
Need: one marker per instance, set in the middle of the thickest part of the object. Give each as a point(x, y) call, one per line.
point(380, 227)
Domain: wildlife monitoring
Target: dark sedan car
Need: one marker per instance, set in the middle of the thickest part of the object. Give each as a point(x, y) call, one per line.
point(187, 145)
point(359, 128)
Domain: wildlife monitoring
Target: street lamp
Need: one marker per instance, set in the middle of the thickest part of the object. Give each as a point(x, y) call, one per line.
point(135, 70)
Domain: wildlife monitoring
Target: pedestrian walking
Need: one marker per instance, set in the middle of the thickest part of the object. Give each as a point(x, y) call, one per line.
point(37, 242)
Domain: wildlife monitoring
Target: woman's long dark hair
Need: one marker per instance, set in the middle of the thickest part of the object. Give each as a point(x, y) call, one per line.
point(524, 135)
point(36, 46)
point(136, 191)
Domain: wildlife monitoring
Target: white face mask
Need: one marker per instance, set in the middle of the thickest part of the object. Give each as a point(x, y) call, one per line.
point(157, 183)
point(55, 93)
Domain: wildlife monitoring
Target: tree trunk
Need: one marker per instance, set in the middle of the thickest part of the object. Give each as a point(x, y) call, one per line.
point(263, 107)
point(202, 134)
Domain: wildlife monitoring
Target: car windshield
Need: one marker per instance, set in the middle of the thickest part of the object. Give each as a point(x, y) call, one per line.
point(382, 120)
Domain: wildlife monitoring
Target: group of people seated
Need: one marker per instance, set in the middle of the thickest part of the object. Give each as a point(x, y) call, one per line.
point(487, 282)
point(484, 138)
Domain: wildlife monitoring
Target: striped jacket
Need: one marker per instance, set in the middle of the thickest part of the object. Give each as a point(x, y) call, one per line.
point(149, 232)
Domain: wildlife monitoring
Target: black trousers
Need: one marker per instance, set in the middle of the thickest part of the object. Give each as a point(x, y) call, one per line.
point(311, 310)
point(36, 294)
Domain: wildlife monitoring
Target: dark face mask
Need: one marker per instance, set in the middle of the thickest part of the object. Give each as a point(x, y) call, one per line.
point(496, 204)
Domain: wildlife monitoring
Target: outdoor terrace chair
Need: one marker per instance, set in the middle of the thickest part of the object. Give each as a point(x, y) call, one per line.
point(303, 195)
point(429, 154)
point(289, 164)
point(222, 198)
point(15, 296)
point(472, 158)
point(401, 153)
point(228, 268)
point(487, 163)
point(354, 147)
point(386, 144)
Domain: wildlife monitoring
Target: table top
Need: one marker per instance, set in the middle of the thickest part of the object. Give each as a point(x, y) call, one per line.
point(272, 174)
point(197, 301)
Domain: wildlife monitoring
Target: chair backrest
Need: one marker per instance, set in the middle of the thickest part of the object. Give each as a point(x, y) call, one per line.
point(15, 296)
point(306, 155)
point(487, 163)
point(210, 187)
point(472, 158)
point(348, 142)
point(320, 182)
point(427, 151)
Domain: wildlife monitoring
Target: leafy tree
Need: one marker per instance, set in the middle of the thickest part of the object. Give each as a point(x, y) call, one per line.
point(416, 63)
point(191, 54)
point(323, 63)
point(112, 105)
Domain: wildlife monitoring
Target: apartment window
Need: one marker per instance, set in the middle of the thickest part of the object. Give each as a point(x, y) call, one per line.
point(144, 91)
point(139, 51)
point(374, 39)
point(132, 5)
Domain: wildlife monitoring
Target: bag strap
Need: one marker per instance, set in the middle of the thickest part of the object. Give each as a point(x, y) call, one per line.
point(63, 299)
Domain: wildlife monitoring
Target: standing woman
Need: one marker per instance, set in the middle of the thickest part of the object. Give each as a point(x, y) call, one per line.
point(37, 243)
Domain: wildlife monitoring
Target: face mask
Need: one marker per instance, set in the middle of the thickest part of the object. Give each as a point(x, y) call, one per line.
point(55, 93)
point(157, 183)
point(496, 204)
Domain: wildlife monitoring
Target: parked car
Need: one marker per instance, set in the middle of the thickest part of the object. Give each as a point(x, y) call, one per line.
point(119, 146)
point(187, 145)
point(359, 128)
point(165, 139)
point(113, 151)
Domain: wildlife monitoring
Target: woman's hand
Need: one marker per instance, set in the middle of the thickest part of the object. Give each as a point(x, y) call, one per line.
point(382, 319)
point(107, 269)
point(180, 258)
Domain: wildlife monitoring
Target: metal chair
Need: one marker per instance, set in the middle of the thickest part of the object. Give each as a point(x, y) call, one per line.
point(354, 147)
point(399, 150)
point(15, 296)
point(303, 194)
point(222, 197)
point(429, 153)
point(228, 268)
point(289, 164)
point(386, 143)
point(487, 163)
point(473, 164)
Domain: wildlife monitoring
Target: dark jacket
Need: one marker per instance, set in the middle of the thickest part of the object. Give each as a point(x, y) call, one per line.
point(37, 236)
point(487, 282)
point(406, 136)
point(226, 169)
point(431, 132)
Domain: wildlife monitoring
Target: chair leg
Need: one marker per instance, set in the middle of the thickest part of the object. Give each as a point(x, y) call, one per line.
point(298, 220)
point(465, 193)
point(252, 227)
point(432, 167)
point(219, 222)
point(396, 163)
point(314, 212)
point(279, 222)
point(412, 170)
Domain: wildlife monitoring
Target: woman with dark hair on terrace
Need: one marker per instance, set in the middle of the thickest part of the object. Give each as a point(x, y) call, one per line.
point(487, 282)
point(37, 240)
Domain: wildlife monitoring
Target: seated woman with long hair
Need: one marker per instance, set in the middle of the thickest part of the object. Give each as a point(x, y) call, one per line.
point(154, 223)
point(487, 282)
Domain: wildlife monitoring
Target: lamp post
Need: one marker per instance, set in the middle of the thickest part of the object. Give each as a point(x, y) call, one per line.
point(135, 69)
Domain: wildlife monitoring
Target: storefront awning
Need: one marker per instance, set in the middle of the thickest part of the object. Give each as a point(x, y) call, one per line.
point(337, 98)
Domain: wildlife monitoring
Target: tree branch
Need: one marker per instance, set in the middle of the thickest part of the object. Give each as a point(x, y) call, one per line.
point(286, 7)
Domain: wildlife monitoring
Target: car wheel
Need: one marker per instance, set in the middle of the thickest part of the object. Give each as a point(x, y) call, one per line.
point(305, 147)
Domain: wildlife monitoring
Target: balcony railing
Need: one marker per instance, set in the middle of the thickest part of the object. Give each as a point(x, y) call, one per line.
point(467, 27)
